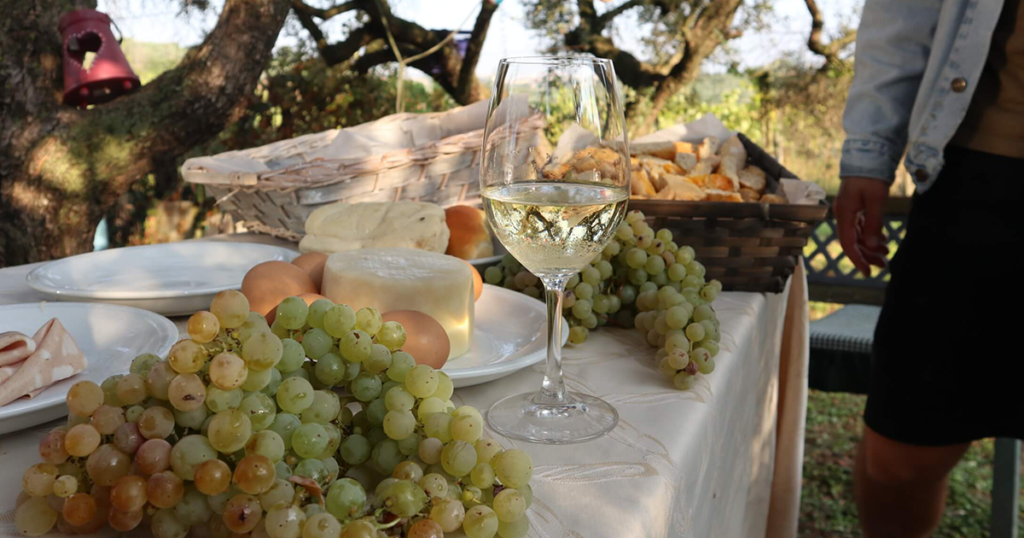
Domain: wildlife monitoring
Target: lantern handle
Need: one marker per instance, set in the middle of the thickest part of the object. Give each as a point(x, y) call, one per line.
point(120, 34)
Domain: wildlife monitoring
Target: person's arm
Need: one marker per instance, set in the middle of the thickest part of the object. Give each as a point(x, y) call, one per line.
point(893, 44)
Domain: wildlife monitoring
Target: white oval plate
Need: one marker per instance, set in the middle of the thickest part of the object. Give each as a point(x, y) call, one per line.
point(509, 334)
point(170, 279)
point(110, 336)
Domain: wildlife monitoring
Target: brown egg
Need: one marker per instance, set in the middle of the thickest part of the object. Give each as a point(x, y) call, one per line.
point(426, 340)
point(312, 263)
point(478, 283)
point(310, 298)
point(269, 283)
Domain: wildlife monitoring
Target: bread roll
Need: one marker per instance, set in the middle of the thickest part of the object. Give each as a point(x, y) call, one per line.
point(749, 195)
point(734, 158)
point(342, 227)
point(753, 178)
point(774, 199)
point(469, 238)
point(714, 195)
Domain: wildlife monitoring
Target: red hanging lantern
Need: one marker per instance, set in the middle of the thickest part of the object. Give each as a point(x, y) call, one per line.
point(87, 31)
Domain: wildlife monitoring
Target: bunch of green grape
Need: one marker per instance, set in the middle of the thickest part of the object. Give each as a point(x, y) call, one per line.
point(317, 426)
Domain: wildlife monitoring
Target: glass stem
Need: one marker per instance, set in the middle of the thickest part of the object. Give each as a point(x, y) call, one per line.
point(553, 389)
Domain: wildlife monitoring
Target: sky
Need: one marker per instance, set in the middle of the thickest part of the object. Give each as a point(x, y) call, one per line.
point(160, 21)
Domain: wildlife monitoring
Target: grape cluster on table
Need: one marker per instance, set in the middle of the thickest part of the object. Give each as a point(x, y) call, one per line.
point(317, 426)
point(642, 279)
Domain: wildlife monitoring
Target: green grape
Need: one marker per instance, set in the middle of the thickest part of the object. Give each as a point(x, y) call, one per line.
point(591, 276)
point(321, 525)
point(278, 330)
point(683, 381)
point(262, 351)
point(333, 440)
point(366, 387)
point(700, 356)
point(330, 369)
point(401, 364)
point(482, 475)
point(339, 320)
point(695, 268)
point(261, 410)
point(601, 304)
point(292, 313)
point(355, 345)
point(324, 409)
point(448, 513)
point(486, 449)
point(316, 342)
point(458, 458)
point(379, 359)
point(133, 413)
point(515, 529)
point(678, 359)
point(604, 270)
point(493, 275)
point(410, 445)
point(695, 332)
point(284, 425)
point(636, 258)
point(267, 443)
point(292, 356)
point(283, 522)
point(317, 310)
point(376, 411)
point(189, 453)
point(142, 364)
point(165, 524)
point(218, 400)
point(257, 380)
point(583, 291)
point(509, 505)
point(710, 331)
point(709, 293)
point(568, 299)
point(355, 450)
point(309, 440)
point(219, 502)
point(627, 294)
point(435, 485)
point(399, 399)
point(480, 522)
point(405, 498)
point(514, 467)
point(313, 469)
point(711, 347)
point(707, 367)
point(438, 425)
point(346, 499)
point(582, 308)
point(467, 428)
point(229, 430)
point(445, 387)
point(352, 370)
point(399, 424)
point(703, 313)
point(660, 279)
point(657, 247)
point(254, 323)
point(676, 317)
point(280, 494)
point(295, 395)
point(392, 335)
point(638, 276)
point(428, 407)
point(193, 509)
point(386, 456)
point(676, 272)
point(368, 319)
point(655, 265)
point(301, 372)
point(275, 381)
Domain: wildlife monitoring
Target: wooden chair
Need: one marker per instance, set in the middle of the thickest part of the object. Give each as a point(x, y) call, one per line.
point(841, 343)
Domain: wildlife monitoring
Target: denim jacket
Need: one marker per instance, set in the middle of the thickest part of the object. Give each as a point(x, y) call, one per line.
point(916, 66)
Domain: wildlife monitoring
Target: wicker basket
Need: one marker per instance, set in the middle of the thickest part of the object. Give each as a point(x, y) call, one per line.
point(747, 246)
point(295, 178)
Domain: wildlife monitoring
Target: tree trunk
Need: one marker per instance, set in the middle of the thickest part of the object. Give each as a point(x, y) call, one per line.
point(62, 169)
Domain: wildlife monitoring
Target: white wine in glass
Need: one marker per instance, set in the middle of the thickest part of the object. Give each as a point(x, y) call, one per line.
point(555, 184)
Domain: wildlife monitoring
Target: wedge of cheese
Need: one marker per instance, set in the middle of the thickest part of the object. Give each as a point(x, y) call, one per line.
point(342, 227)
point(406, 279)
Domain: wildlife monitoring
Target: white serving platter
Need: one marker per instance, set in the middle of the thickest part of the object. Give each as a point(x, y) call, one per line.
point(509, 334)
point(170, 279)
point(110, 336)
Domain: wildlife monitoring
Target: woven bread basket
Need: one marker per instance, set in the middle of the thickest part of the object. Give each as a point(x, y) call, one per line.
point(273, 188)
point(747, 246)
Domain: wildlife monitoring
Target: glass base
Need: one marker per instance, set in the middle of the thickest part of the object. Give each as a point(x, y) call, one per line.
point(531, 417)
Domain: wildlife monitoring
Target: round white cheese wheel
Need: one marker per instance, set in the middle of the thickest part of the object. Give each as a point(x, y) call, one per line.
point(389, 279)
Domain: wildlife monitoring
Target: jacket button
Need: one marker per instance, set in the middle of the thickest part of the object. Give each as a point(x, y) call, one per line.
point(959, 84)
point(921, 175)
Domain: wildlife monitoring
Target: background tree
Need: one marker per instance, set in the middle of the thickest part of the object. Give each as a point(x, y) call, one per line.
point(62, 168)
point(367, 43)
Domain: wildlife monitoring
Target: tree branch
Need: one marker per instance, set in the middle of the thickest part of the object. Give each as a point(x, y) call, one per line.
point(303, 13)
point(607, 16)
point(467, 72)
point(830, 51)
point(301, 8)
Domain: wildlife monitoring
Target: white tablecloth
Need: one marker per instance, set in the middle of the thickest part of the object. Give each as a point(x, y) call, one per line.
point(722, 460)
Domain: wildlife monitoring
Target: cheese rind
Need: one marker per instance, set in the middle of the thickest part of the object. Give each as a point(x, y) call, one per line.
point(390, 279)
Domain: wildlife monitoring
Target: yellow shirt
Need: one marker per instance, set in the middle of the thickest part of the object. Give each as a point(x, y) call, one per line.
point(995, 119)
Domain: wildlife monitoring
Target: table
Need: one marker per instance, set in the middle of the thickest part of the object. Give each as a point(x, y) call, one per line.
point(722, 460)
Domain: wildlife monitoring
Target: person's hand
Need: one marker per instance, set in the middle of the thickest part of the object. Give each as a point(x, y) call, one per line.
point(858, 211)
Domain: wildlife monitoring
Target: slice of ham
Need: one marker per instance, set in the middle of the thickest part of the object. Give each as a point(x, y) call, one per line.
point(56, 357)
point(15, 347)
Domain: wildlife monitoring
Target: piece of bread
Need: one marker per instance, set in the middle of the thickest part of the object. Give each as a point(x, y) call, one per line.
point(681, 189)
point(749, 195)
point(714, 195)
point(341, 227)
point(753, 178)
point(706, 166)
point(686, 161)
point(707, 148)
point(556, 170)
point(734, 158)
point(700, 181)
point(641, 184)
point(664, 149)
point(722, 183)
point(468, 235)
point(774, 199)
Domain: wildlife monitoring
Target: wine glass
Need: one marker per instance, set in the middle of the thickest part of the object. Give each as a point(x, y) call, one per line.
point(555, 183)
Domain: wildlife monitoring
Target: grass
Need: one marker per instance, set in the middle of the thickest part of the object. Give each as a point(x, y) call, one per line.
point(827, 508)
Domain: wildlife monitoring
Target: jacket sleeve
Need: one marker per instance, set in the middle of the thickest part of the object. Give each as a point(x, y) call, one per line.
point(893, 44)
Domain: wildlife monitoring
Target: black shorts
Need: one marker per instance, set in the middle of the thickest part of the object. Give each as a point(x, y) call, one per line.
point(948, 364)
